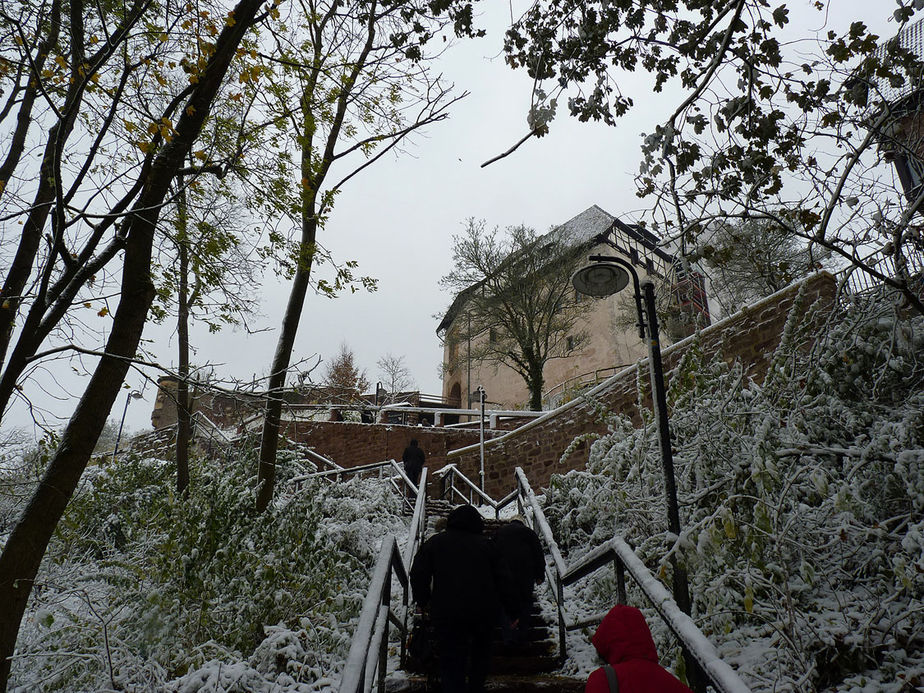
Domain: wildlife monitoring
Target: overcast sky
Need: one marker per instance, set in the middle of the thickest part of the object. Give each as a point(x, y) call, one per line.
point(397, 217)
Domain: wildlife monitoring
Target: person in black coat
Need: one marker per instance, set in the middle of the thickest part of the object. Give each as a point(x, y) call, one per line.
point(523, 561)
point(457, 576)
point(414, 460)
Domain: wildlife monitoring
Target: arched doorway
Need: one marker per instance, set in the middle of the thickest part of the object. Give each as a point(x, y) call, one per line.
point(455, 400)
point(455, 395)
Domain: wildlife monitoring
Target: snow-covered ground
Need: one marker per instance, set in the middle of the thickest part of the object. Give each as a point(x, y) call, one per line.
point(803, 534)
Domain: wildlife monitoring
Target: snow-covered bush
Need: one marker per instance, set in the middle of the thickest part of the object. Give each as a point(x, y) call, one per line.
point(802, 504)
point(144, 590)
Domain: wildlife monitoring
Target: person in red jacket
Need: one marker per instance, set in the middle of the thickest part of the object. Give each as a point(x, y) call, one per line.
point(624, 641)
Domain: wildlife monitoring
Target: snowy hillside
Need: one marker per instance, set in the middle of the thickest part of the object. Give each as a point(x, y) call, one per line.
point(802, 506)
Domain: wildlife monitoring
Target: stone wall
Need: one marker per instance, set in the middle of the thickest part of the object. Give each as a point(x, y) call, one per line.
point(347, 444)
point(353, 444)
point(749, 336)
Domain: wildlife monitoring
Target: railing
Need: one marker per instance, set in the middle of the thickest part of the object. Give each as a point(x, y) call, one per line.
point(388, 470)
point(455, 485)
point(551, 398)
point(366, 662)
point(368, 652)
point(319, 462)
point(859, 282)
point(199, 420)
point(620, 555)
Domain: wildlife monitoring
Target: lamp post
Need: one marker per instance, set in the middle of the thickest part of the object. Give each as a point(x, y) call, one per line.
point(482, 395)
point(134, 394)
point(609, 275)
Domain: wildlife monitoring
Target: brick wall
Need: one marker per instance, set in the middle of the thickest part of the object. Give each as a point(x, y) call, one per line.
point(348, 444)
point(749, 336)
point(353, 444)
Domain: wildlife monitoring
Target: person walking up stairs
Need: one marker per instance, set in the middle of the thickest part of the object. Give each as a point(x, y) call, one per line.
point(463, 587)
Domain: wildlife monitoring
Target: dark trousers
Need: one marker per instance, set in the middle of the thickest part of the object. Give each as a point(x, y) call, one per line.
point(465, 654)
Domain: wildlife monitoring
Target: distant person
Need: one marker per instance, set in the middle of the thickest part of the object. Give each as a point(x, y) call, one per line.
point(457, 577)
point(624, 641)
point(521, 554)
point(414, 459)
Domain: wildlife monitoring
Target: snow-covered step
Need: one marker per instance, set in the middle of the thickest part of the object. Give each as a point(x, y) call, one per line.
point(499, 684)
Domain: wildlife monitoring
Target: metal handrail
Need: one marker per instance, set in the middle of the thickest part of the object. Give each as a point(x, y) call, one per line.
point(448, 487)
point(398, 478)
point(619, 554)
point(418, 520)
point(582, 380)
point(348, 471)
point(318, 457)
point(198, 418)
point(369, 648)
point(370, 640)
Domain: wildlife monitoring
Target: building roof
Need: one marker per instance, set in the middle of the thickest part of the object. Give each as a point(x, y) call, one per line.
point(589, 228)
point(879, 90)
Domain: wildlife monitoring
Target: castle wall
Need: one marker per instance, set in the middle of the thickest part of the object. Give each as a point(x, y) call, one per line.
point(346, 443)
point(354, 444)
point(749, 336)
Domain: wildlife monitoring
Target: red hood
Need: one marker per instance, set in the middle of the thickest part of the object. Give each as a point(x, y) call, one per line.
point(623, 635)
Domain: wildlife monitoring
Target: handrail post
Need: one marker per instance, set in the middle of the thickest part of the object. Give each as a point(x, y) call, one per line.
point(620, 581)
point(562, 630)
point(407, 607)
point(383, 646)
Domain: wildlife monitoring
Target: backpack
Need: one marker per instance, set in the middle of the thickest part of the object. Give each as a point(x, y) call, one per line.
point(611, 678)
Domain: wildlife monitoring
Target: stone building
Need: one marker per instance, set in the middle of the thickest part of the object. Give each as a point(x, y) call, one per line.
point(613, 340)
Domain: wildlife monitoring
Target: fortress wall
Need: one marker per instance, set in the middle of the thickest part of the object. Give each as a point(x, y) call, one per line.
point(749, 337)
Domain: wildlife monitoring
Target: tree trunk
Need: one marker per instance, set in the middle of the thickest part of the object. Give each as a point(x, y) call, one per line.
point(25, 548)
point(535, 383)
point(183, 403)
point(269, 443)
point(26, 545)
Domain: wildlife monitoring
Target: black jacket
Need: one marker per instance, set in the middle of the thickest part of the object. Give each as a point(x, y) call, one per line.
point(457, 575)
point(414, 459)
point(523, 561)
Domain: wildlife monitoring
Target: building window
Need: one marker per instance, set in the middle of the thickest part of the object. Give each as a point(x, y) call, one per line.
point(911, 174)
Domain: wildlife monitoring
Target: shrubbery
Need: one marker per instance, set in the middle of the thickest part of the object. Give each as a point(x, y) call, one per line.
point(143, 590)
point(802, 504)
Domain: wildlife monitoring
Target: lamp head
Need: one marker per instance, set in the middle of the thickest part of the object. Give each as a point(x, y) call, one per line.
point(600, 279)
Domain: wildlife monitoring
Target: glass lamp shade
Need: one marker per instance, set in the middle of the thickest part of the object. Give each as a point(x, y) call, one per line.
point(600, 279)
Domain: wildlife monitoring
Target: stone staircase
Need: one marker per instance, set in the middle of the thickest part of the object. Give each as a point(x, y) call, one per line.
point(524, 665)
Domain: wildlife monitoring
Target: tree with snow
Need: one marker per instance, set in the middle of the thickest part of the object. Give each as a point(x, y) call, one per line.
point(775, 121)
point(749, 259)
point(514, 301)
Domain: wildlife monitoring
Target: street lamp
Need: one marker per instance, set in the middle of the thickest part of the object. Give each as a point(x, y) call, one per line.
point(609, 275)
point(482, 396)
point(134, 394)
